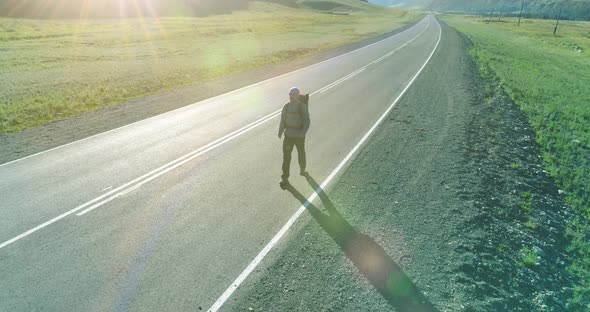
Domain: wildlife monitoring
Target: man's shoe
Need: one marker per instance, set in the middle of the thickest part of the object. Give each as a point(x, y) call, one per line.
point(303, 173)
point(284, 183)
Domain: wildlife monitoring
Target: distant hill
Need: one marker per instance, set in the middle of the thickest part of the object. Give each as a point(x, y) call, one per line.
point(73, 9)
point(573, 9)
point(532, 8)
point(115, 8)
point(328, 5)
point(402, 3)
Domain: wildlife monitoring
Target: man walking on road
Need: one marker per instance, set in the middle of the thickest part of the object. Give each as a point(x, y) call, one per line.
point(294, 123)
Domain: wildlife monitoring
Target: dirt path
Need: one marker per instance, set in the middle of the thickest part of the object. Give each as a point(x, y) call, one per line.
point(429, 216)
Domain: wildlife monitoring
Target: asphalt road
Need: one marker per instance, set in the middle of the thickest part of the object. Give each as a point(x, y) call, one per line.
point(164, 214)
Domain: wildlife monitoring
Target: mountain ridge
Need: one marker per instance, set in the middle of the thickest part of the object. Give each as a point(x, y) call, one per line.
point(546, 9)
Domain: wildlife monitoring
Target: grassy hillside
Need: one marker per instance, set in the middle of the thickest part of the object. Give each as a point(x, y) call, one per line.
point(116, 8)
point(74, 9)
point(402, 3)
point(52, 69)
point(335, 6)
point(330, 5)
point(547, 9)
point(548, 77)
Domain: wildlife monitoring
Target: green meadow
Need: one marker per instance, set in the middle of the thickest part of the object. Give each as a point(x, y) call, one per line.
point(53, 69)
point(548, 77)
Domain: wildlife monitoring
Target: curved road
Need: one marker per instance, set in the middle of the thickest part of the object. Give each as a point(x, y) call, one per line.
point(164, 214)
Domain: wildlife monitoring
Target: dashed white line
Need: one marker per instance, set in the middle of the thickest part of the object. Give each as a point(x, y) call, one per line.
point(339, 81)
point(105, 198)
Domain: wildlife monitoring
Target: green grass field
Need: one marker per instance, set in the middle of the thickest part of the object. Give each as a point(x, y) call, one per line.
point(549, 78)
point(53, 69)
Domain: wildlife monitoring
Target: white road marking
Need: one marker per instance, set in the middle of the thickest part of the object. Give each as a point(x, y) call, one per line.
point(178, 162)
point(235, 284)
point(399, 48)
point(339, 81)
point(210, 99)
point(123, 189)
point(109, 195)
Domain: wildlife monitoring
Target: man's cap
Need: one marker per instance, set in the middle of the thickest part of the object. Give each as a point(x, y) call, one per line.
point(294, 91)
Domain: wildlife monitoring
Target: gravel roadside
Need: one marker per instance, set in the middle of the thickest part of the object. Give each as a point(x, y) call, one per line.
point(429, 215)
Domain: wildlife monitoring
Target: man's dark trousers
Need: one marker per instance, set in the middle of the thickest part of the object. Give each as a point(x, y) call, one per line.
point(288, 144)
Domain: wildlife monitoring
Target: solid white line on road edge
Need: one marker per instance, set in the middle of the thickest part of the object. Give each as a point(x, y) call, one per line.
point(114, 193)
point(339, 81)
point(399, 48)
point(229, 291)
point(213, 98)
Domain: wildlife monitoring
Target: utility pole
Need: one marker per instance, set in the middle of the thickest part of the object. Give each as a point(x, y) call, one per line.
point(558, 16)
point(501, 9)
point(520, 14)
point(491, 15)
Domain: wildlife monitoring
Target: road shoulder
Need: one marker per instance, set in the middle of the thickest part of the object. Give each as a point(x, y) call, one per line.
point(431, 192)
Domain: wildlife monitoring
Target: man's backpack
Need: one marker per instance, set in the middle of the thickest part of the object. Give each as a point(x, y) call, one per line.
point(304, 98)
point(294, 118)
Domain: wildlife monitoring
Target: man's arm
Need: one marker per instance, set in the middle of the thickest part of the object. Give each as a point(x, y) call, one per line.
point(305, 116)
point(282, 124)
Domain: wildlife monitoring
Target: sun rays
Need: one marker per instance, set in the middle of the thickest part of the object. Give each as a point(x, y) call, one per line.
point(85, 9)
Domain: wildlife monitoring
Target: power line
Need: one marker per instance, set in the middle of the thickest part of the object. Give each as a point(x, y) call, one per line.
point(520, 14)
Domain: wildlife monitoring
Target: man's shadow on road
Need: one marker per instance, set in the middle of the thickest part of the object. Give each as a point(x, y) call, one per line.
point(370, 258)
